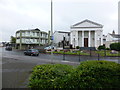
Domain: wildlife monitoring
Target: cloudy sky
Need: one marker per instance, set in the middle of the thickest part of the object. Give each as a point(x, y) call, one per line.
point(30, 14)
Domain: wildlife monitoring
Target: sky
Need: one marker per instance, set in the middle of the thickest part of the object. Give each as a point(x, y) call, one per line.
point(30, 14)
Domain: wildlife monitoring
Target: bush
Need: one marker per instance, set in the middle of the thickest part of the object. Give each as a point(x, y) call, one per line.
point(77, 47)
point(96, 74)
point(115, 46)
point(101, 47)
point(49, 76)
point(107, 48)
point(89, 74)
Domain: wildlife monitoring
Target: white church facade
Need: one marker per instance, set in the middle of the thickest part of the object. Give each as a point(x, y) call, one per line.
point(86, 34)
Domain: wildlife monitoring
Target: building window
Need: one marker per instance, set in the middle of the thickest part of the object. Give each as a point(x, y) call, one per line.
point(33, 33)
point(68, 34)
point(28, 32)
point(23, 34)
point(104, 39)
point(37, 34)
point(41, 34)
point(33, 40)
point(37, 40)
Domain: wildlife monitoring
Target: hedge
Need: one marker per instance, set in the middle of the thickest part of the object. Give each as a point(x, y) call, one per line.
point(96, 74)
point(89, 74)
point(101, 47)
point(115, 46)
point(49, 75)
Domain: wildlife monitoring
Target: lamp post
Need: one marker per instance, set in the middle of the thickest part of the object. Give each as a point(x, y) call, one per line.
point(51, 32)
point(51, 21)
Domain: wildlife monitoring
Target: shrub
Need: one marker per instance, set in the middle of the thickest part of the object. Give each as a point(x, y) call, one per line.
point(89, 74)
point(77, 47)
point(107, 48)
point(101, 47)
point(115, 46)
point(96, 74)
point(49, 76)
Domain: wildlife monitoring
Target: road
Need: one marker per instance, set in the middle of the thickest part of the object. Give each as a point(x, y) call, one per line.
point(16, 67)
point(73, 58)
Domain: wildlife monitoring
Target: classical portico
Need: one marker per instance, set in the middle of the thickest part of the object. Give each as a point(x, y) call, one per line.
point(86, 34)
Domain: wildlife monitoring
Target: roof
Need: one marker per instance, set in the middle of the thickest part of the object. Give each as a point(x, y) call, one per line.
point(93, 24)
point(61, 32)
point(115, 35)
point(30, 30)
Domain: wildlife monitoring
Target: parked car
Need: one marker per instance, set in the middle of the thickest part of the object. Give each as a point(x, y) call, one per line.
point(32, 52)
point(9, 48)
point(50, 47)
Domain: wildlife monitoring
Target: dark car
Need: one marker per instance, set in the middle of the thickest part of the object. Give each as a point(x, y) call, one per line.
point(32, 52)
point(9, 48)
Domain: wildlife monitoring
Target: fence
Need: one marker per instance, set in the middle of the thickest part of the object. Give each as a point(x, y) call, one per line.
point(77, 55)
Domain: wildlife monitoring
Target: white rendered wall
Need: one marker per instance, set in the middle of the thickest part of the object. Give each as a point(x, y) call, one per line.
point(58, 37)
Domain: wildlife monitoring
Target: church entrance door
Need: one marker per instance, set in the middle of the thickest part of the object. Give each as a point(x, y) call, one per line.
point(85, 42)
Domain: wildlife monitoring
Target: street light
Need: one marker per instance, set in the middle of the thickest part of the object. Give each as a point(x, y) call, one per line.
point(51, 32)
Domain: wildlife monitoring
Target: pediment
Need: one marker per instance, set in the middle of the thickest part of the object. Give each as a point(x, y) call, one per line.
point(87, 24)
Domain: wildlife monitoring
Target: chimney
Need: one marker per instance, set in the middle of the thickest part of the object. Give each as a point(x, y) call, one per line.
point(113, 32)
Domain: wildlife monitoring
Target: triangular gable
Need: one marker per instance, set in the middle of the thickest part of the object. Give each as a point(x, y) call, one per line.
point(87, 24)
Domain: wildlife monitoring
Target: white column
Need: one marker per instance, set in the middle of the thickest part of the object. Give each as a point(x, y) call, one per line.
point(76, 38)
point(71, 38)
point(101, 37)
point(95, 41)
point(82, 38)
point(89, 39)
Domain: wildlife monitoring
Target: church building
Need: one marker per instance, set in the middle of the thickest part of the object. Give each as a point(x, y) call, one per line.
point(86, 34)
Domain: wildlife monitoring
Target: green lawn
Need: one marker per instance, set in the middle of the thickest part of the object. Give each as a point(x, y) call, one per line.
point(102, 53)
point(71, 53)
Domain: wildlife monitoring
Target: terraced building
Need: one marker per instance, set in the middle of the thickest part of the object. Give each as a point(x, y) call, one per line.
point(31, 38)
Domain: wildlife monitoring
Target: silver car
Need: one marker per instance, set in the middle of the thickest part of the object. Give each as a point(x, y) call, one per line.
point(32, 52)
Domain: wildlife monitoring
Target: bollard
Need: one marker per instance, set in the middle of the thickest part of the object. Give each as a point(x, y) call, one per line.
point(79, 56)
point(104, 52)
point(63, 55)
point(90, 51)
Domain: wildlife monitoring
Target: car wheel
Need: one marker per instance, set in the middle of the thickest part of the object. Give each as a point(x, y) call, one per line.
point(37, 54)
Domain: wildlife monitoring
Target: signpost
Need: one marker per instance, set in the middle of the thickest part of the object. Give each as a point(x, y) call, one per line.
point(52, 38)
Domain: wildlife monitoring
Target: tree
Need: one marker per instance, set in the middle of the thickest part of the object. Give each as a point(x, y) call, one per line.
point(101, 47)
point(13, 39)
